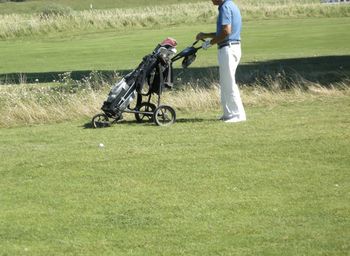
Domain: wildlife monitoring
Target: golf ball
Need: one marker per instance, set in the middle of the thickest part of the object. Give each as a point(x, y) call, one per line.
point(101, 145)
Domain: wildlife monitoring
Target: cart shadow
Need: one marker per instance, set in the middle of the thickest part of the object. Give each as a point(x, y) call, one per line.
point(88, 125)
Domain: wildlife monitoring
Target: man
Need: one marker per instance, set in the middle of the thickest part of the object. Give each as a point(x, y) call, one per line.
point(228, 39)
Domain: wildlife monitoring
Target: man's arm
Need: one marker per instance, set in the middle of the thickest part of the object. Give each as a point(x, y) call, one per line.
point(202, 35)
point(226, 30)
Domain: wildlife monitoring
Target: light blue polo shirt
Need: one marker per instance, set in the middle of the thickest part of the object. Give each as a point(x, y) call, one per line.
point(229, 14)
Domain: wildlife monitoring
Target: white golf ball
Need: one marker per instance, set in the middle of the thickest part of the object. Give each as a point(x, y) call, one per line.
point(101, 145)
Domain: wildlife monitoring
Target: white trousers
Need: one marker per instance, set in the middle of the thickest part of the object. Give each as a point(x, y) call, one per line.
point(228, 58)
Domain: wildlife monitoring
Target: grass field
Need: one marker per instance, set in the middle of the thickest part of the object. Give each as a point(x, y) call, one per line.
point(55, 20)
point(111, 50)
point(277, 184)
point(37, 5)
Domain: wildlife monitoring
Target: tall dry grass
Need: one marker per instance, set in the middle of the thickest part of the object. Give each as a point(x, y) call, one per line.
point(17, 25)
point(35, 104)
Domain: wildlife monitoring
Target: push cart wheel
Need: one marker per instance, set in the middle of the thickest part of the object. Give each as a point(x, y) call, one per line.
point(164, 115)
point(100, 121)
point(145, 107)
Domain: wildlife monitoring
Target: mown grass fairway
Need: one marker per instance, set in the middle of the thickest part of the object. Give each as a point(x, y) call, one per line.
point(275, 185)
point(111, 50)
point(38, 5)
point(33, 6)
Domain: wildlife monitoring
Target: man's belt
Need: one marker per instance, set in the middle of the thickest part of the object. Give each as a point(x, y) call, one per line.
point(229, 43)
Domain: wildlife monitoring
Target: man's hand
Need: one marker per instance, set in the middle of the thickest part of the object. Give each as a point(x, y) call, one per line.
point(200, 36)
point(206, 44)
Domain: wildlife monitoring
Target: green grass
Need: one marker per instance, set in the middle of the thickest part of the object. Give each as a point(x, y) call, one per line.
point(275, 185)
point(37, 5)
point(22, 25)
point(111, 50)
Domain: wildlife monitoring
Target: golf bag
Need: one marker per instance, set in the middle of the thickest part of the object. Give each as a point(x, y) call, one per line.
point(152, 75)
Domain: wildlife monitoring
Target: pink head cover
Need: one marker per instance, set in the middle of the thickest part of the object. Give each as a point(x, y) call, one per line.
point(169, 41)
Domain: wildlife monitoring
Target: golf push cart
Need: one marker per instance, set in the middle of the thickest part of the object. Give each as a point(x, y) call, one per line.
point(152, 75)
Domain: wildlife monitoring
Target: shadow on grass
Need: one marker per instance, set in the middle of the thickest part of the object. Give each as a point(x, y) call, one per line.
point(88, 125)
point(192, 120)
point(325, 70)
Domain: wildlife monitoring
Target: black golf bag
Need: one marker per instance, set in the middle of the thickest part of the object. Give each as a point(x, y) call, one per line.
point(153, 74)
